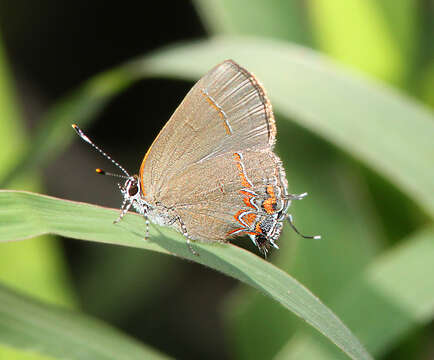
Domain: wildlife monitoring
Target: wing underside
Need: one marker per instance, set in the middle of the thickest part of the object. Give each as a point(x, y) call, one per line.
point(226, 111)
point(225, 193)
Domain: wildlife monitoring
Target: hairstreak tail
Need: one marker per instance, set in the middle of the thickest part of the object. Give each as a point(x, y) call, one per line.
point(211, 172)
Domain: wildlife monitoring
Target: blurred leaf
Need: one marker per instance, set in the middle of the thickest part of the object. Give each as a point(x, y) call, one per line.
point(339, 207)
point(24, 215)
point(35, 268)
point(11, 132)
point(427, 85)
point(80, 107)
point(348, 111)
point(19, 354)
point(393, 296)
point(48, 330)
point(129, 291)
point(403, 23)
point(280, 19)
point(374, 50)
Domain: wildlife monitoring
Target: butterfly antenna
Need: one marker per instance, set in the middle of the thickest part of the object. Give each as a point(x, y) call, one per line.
point(291, 222)
point(103, 172)
point(85, 138)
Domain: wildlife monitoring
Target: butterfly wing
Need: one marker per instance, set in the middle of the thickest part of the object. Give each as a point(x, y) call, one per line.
point(229, 194)
point(226, 111)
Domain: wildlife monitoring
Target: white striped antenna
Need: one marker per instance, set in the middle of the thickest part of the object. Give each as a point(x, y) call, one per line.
point(99, 171)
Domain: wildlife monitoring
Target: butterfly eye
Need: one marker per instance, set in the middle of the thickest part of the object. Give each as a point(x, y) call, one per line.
point(133, 189)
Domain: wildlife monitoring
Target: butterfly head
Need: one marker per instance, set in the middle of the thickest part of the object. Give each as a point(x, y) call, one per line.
point(132, 194)
point(130, 189)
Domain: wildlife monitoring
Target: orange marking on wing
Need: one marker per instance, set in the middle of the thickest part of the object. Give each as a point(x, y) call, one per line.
point(248, 203)
point(258, 229)
point(237, 216)
point(271, 201)
point(142, 166)
point(214, 106)
point(244, 181)
point(250, 219)
point(245, 193)
point(233, 231)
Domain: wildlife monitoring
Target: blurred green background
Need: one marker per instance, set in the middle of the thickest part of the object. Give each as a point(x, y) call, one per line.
point(368, 220)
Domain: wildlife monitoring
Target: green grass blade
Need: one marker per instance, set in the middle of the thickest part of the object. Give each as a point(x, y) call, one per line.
point(24, 215)
point(48, 330)
point(278, 19)
point(393, 296)
point(373, 50)
point(10, 353)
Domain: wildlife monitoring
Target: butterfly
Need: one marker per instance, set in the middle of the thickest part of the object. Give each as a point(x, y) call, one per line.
point(212, 173)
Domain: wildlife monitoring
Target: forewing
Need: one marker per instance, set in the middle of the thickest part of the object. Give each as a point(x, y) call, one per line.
point(226, 111)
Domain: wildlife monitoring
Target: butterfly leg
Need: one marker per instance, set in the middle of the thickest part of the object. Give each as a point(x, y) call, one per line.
point(291, 222)
point(185, 233)
point(194, 252)
point(124, 209)
point(147, 227)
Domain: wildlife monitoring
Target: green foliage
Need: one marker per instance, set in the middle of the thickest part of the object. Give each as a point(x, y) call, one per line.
point(42, 329)
point(44, 215)
point(362, 149)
